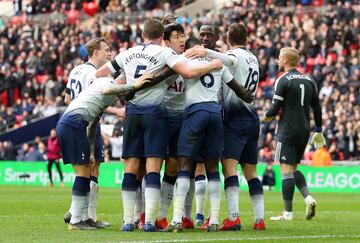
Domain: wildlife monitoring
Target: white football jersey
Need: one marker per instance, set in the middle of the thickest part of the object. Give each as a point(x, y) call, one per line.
point(246, 73)
point(174, 97)
point(79, 79)
point(91, 101)
point(145, 58)
point(206, 89)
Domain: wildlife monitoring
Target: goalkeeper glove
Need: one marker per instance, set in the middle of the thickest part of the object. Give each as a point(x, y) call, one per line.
point(318, 140)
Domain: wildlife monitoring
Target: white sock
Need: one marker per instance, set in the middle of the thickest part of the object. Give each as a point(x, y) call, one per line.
point(182, 188)
point(232, 201)
point(152, 197)
point(215, 200)
point(308, 199)
point(143, 186)
point(85, 209)
point(77, 204)
point(200, 196)
point(288, 214)
point(128, 199)
point(258, 206)
point(166, 196)
point(138, 204)
point(189, 199)
point(93, 198)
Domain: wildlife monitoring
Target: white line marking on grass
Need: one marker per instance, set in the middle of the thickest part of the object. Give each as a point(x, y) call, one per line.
point(250, 238)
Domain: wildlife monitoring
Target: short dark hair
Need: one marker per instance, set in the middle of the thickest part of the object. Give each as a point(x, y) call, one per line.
point(192, 41)
point(213, 28)
point(94, 44)
point(237, 34)
point(153, 29)
point(172, 27)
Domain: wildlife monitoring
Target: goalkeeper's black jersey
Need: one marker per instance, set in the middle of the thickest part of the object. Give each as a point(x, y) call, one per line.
point(296, 93)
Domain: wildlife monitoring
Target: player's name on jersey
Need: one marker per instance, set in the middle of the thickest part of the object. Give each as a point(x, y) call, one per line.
point(250, 60)
point(141, 56)
point(206, 59)
point(297, 76)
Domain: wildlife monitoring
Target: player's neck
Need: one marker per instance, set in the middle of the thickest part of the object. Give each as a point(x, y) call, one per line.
point(93, 62)
point(237, 46)
point(287, 68)
point(154, 42)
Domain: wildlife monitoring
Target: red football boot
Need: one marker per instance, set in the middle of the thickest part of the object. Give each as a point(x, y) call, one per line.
point(161, 224)
point(187, 223)
point(259, 225)
point(228, 224)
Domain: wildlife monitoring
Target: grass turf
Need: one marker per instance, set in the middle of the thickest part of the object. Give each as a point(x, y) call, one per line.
point(35, 214)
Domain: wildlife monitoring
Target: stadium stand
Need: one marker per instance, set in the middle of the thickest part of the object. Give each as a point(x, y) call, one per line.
point(41, 44)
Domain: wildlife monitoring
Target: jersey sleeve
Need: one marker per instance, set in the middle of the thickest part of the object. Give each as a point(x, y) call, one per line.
point(279, 89)
point(278, 99)
point(315, 104)
point(116, 65)
point(171, 58)
point(226, 75)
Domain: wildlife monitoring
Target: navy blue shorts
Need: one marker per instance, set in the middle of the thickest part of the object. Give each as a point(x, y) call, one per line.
point(201, 135)
point(173, 132)
point(144, 136)
point(241, 141)
point(74, 144)
point(99, 145)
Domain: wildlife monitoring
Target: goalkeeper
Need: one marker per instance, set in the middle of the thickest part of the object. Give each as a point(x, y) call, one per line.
point(294, 94)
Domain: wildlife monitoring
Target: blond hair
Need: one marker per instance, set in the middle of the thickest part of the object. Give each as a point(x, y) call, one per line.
point(291, 54)
point(94, 44)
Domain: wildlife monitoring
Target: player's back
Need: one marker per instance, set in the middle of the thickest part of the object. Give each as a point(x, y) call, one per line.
point(246, 73)
point(135, 62)
point(91, 102)
point(204, 92)
point(79, 79)
point(298, 93)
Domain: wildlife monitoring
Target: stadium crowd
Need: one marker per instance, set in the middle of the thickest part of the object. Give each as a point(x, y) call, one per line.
point(37, 56)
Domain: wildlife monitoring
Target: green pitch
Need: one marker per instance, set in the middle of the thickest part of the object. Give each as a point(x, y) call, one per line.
point(34, 214)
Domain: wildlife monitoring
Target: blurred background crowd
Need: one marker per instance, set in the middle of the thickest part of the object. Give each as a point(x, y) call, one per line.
point(46, 39)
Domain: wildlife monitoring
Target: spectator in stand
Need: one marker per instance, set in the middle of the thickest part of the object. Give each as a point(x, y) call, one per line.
point(53, 156)
point(2, 150)
point(268, 178)
point(10, 152)
point(328, 42)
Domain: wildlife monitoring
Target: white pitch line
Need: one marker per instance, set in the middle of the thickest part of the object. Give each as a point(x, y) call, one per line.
point(249, 238)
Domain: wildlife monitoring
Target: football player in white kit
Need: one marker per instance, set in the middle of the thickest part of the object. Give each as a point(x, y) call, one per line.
point(76, 127)
point(241, 128)
point(174, 100)
point(201, 135)
point(144, 129)
point(79, 79)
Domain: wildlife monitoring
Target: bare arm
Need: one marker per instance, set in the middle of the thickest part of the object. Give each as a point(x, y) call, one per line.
point(103, 71)
point(125, 89)
point(188, 72)
point(198, 51)
point(241, 92)
point(67, 99)
point(91, 134)
point(159, 76)
point(121, 79)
